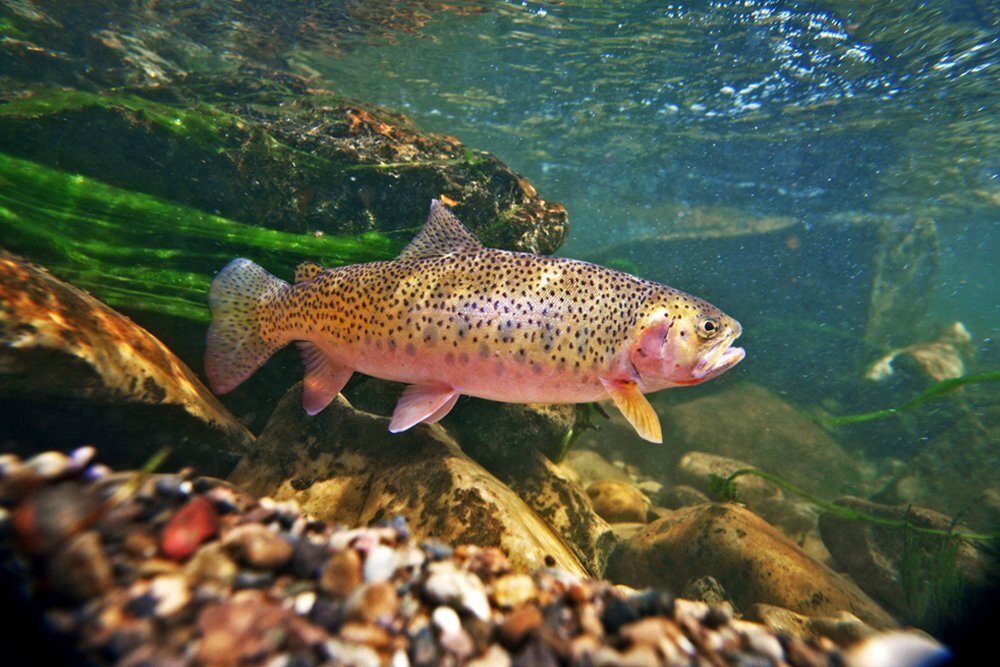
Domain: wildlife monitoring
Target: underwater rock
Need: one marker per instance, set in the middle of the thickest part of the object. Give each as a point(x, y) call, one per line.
point(905, 272)
point(768, 433)
point(343, 465)
point(697, 468)
point(586, 466)
point(920, 577)
point(515, 442)
point(562, 503)
point(843, 628)
point(940, 359)
point(437, 605)
point(64, 354)
point(751, 559)
point(616, 501)
point(498, 435)
point(281, 154)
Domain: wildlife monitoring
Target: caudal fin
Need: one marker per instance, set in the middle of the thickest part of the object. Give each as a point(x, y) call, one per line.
point(242, 334)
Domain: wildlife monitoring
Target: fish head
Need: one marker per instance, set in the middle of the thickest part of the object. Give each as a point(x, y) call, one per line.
point(683, 340)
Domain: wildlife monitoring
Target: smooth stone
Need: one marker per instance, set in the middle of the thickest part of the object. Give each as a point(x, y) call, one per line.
point(343, 466)
point(751, 559)
point(258, 546)
point(618, 501)
point(342, 574)
point(891, 563)
point(586, 466)
point(80, 568)
point(513, 590)
point(109, 380)
point(450, 585)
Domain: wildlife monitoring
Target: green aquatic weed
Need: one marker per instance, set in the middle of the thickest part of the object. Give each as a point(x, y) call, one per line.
point(138, 251)
point(932, 392)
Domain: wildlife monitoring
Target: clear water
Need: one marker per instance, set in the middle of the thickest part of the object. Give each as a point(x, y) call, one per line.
point(807, 110)
point(640, 117)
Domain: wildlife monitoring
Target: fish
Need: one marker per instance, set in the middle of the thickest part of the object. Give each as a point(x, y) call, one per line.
point(451, 317)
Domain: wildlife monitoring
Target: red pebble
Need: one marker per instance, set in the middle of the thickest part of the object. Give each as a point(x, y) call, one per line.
point(194, 523)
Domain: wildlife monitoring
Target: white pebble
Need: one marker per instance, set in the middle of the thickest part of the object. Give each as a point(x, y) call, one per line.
point(380, 563)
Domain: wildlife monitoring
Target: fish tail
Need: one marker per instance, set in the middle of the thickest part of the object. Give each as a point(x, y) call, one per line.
point(245, 301)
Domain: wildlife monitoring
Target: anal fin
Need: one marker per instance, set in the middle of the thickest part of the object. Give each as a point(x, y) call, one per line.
point(324, 377)
point(635, 408)
point(422, 403)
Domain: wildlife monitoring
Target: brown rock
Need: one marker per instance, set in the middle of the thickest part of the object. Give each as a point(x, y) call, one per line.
point(586, 466)
point(258, 546)
point(770, 434)
point(80, 568)
point(843, 628)
point(344, 466)
point(342, 573)
point(109, 380)
point(373, 603)
point(752, 560)
point(564, 506)
point(906, 571)
point(617, 501)
point(240, 629)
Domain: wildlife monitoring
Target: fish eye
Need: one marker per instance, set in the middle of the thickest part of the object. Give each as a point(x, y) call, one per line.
point(708, 327)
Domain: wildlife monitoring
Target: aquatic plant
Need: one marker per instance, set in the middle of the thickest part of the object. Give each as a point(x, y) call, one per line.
point(138, 251)
point(932, 392)
point(724, 488)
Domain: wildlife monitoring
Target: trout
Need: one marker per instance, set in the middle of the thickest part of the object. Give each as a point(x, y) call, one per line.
point(450, 316)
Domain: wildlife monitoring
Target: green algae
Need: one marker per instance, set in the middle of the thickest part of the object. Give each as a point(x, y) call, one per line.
point(724, 488)
point(932, 392)
point(136, 251)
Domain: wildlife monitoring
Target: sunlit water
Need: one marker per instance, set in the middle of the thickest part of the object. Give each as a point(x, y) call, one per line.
point(811, 110)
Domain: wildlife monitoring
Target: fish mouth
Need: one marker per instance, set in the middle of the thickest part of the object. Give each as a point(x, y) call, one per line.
point(720, 358)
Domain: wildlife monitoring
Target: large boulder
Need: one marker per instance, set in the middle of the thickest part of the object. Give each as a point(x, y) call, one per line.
point(765, 431)
point(344, 466)
point(922, 577)
point(73, 372)
point(752, 561)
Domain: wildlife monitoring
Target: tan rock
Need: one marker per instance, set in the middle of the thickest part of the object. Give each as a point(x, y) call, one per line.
point(751, 559)
point(617, 501)
point(109, 380)
point(843, 628)
point(769, 434)
point(563, 504)
point(907, 571)
point(343, 465)
point(586, 466)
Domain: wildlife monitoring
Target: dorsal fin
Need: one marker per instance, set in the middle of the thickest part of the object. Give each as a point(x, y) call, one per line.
point(307, 271)
point(442, 234)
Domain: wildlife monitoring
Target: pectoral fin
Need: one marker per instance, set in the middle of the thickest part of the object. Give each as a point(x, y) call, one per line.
point(324, 377)
point(635, 408)
point(422, 403)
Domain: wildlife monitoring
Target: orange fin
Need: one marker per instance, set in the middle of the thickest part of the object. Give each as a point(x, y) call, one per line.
point(441, 235)
point(422, 403)
point(324, 377)
point(635, 408)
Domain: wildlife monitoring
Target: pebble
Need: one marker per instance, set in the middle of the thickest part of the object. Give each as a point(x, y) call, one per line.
point(194, 523)
point(211, 563)
point(342, 573)
point(258, 546)
point(380, 563)
point(452, 635)
point(264, 585)
point(375, 602)
point(449, 585)
point(617, 501)
point(512, 590)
